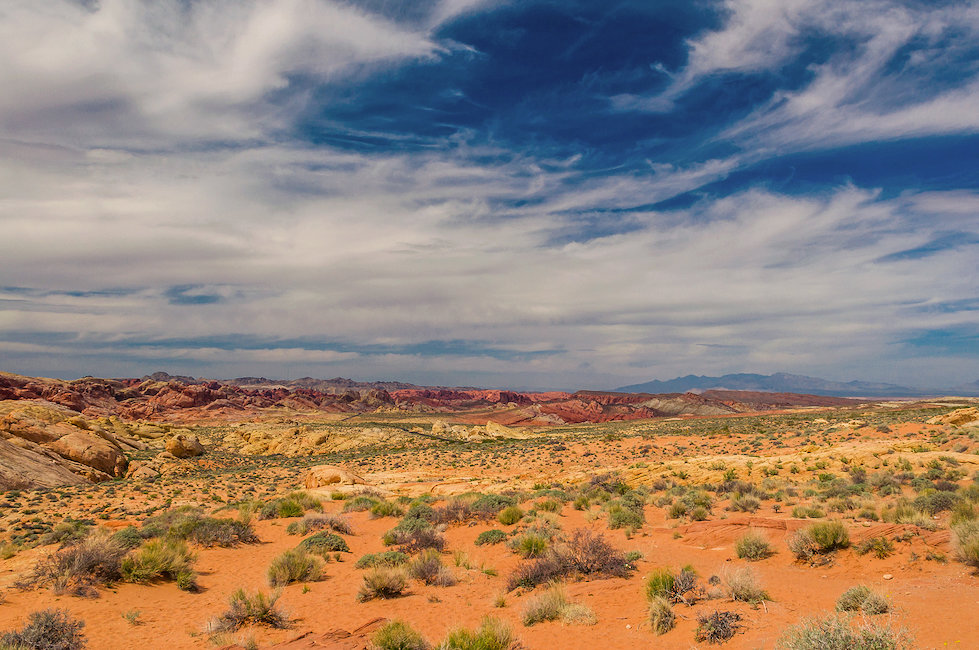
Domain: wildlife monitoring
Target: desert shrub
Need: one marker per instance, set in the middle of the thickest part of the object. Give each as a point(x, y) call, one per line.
point(385, 509)
point(699, 513)
point(661, 616)
point(47, 629)
point(743, 585)
point(677, 510)
point(659, 584)
point(79, 567)
point(963, 511)
point(745, 503)
point(128, 537)
point(382, 582)
point(161, 559)
point(829, 535)
point(546, 606)
point(257, 609)
point(322, 543)
point(429, 568)
point(66, 532)
point(384, 558)
point(531, 544)
point(397, 635)
point(311, 522)
point(835, 632)
point(455, 511)
point(292, 505)
point(294, 565)
point(492, 634)
point(935, 502)
point(585, 553)
point(717, 627)
point(510, 515)
point(493, 536)
point(489, 505)
point(212, 531)
point(881, 547)
point(752, 546)
point(412, 535)
point(359, 503)
point(965, 542)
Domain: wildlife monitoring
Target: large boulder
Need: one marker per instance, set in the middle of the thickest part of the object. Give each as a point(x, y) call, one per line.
point(185, 446)
point(324, 475)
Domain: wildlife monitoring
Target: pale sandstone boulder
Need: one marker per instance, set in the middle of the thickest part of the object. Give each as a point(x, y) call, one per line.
point(958, 417)
point(324, 475)
point(91, 450)
point(184, 446)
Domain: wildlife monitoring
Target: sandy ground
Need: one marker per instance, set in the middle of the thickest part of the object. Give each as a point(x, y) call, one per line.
point(935, 600)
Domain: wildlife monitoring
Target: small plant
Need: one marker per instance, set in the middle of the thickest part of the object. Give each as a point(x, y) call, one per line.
point(382, 582)
point(510, 515)
point(965, 542)
point(398, 635)
point(753, 546)
point(820, 538)
point(132, 616)
point(661, 616)
point(881, 547)
point(531, 545)
point(428, 568)
point(862, 599)
point(745, 503)
point(493, 536)
point(295, 565)
point(743, 585)
point(47, 629)
point(324, 543)
point(384, 558)
point(385, 509)
point(492, 634)
point(717, 627)
point(258, 609)
point(161, 559)
point(553, 605)
point(312, 522)
point(836, 632)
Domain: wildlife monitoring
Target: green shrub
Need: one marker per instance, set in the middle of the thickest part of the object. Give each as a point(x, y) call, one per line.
point(492, 634)
point(836, 632)
point(294, 565)
point(397, 635)
point(881, 547)
point(829, 535)
point(258, 609)
point(677, 510)
point(315, 521)
point(661, 616)
point(385, 509)
point(384, 558)
point(488, 505)
point(659, 584)
point(745, 503)
point(323, 543)
point(47, 629)
point(753, 546)
point(530, 545)
point(382, 582)
point(965, 542)
point(66, 532)
point(359, 503)
point(212, 531)
point(510, 515)
point(161, 559)
point(493, 536)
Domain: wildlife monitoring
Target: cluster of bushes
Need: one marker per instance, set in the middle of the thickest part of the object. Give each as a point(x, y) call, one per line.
point(492, 634)
point(585, 553)
point(818, 539)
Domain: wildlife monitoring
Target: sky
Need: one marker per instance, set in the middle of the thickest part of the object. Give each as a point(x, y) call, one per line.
point(532, 194)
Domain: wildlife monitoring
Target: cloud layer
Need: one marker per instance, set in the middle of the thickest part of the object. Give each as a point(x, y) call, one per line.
point(531, 195)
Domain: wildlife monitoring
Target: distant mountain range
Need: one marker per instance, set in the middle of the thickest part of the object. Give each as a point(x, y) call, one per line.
point(782, 382)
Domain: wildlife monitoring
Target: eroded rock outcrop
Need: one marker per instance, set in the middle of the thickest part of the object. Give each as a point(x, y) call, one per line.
point(45, 445)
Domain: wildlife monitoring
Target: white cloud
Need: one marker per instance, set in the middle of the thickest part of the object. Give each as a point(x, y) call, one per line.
point(144, 74)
